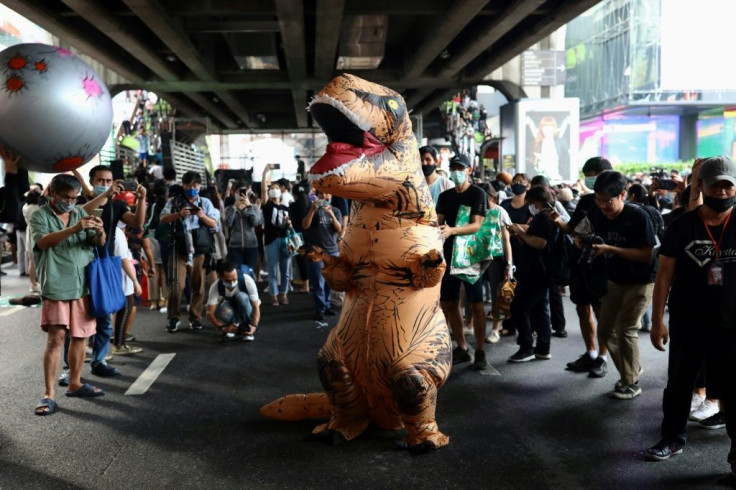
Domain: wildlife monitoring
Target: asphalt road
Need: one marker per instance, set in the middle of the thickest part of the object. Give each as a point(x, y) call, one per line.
point(532, 426)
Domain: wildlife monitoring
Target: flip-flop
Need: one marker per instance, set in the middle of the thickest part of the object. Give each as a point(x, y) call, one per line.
point(45, 403)
point(86, 391)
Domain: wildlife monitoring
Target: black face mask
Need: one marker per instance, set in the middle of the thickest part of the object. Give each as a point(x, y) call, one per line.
point(518, 189)
point(719, 205)
point(428, 170)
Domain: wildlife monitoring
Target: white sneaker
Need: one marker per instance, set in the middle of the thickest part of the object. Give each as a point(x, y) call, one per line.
point(35, 288)
point(163, 310)
point(467, 330)
point(493, 337)
point(696, 402)
point(707, 409)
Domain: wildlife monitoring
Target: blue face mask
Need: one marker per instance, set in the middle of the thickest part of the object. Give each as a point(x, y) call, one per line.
point(590, 182)
point(100, 189)
point(191, 192)
point(458, 177)
point(63, 206)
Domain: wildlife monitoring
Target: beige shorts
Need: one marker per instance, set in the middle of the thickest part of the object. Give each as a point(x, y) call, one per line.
point(72, 314)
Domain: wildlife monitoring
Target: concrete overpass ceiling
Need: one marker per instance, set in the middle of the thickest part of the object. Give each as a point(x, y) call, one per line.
point(255, 64)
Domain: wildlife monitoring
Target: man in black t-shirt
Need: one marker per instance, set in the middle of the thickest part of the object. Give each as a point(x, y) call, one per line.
point(629, 241)
point(593, 361)
point(697, 269)
point(448, 205)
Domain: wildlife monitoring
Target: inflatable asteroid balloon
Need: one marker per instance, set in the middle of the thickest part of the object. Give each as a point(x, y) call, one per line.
point(55, 111)
point(390, 351)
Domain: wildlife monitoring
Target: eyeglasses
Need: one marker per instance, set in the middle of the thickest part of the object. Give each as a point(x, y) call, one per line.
point(68, 199)
point(605, 202)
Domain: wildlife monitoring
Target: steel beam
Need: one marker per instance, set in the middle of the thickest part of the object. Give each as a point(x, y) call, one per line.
point(290, 14)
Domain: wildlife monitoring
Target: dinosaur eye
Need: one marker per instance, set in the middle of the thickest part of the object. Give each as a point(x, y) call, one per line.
point(393, 104)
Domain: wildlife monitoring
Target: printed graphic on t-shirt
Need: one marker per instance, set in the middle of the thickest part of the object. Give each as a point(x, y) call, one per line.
point(703, 251)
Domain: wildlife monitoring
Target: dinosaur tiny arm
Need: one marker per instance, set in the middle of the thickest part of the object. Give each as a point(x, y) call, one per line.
point(428, 270)
point(336, 272)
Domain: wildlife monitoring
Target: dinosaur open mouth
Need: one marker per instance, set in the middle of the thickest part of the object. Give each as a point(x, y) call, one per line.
point(350, 142)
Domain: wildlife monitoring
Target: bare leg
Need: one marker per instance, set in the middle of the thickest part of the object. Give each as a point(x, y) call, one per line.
point(52, 358)
point(479, 324)
point(454, 318)
point(76, 362)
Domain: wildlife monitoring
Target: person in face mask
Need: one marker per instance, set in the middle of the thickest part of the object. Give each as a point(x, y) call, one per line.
point(430, 159)
point(276, 224)
point(594, 360)
point(233, 305)
point(697, 270)
point(448, 205)
point(194, 217)
point(64, 236)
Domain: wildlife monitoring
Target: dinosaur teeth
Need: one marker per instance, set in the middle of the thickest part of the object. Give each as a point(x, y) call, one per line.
point(339, 171)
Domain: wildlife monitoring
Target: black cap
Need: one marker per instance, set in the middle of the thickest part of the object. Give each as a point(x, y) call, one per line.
point(461, 160)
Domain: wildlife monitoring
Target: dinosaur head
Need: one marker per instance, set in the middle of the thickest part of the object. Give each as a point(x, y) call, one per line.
point(372, 150)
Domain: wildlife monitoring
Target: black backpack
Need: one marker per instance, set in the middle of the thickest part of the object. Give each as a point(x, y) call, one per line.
point(560, 258)
point(656, 220)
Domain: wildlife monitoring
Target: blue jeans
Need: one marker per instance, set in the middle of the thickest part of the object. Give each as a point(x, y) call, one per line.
point(101, 339)
point(242, 309)
point(279, 261)
point(319, 288)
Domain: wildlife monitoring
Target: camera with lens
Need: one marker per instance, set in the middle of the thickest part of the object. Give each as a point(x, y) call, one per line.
point(588, 253)
point(657, 173)
point(130, 185)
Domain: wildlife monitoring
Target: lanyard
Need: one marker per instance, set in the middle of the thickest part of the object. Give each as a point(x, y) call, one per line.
point(717, 246)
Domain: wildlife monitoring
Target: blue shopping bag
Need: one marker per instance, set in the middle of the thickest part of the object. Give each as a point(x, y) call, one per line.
point(105, 281)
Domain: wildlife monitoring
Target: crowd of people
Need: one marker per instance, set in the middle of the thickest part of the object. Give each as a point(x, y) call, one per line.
point(620, 245)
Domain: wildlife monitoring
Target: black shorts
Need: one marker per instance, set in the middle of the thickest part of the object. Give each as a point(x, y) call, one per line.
point(579, 294)
point(450, 289)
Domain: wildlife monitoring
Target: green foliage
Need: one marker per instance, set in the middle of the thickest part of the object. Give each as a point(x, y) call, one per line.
point(630, 168)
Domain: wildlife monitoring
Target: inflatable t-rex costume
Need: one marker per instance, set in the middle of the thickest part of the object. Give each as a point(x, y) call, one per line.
point(390, 350)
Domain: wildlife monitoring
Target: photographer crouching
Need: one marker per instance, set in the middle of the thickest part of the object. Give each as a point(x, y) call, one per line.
point(629, 241)
point(195, 220)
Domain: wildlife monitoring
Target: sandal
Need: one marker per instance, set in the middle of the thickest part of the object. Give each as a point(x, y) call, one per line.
point(46, 407)
point(284, 300)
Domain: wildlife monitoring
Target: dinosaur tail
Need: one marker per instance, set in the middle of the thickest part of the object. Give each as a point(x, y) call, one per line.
point(298, 407)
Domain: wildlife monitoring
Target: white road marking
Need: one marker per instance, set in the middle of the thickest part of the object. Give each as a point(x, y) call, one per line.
point(149, 376)
point(10, 311)
point(489, 371)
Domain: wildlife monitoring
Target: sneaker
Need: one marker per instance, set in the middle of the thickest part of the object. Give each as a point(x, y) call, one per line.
point(228, 336)
point(64, 378)
point(645, 328)
point(560, 333)
point(247, 338)
point(582, 364)
point(173, 325)
point(163, 310)
point(599, 368)
point(460, 355)
point(663, 450)
point(696, 402)
point(467, 330)
point(717, 421)
point(330, 312)
point(522, 356)
point(125, 350)
point(480, 362)
point(543, 356)
point(103, 370)
point(494, 337)
point(35, 289)
point(706, 410)
point(129, 338)
point(195, 325)
point(318, 317)
point(630, 392)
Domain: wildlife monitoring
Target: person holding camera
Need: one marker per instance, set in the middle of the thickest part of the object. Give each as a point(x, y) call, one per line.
point(276, 224)
point(111, 211)
point(586, 299)
point(322, 225)
point(629, 241)
point(195, 218)
point(241, 219)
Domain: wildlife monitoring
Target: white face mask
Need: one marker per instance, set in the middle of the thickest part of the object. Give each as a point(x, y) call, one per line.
point(231, 285)
point(274, 193)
